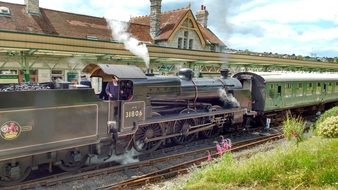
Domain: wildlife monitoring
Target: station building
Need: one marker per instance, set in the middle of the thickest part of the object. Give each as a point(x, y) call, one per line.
point(178, 29)
point(38, 44)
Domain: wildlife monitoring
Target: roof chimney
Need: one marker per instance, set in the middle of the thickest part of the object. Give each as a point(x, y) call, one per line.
point(202, 16)
point(155, 15)
point(32, 7)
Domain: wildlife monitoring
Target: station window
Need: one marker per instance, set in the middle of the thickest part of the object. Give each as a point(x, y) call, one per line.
point(57, 74)
point(288, 90)
point(185, 43)
point(213, 48)
point(191, 41)
point(299, 90)
point(5, 11)
point(8, 72)
point(179, 43)
point(319, 88)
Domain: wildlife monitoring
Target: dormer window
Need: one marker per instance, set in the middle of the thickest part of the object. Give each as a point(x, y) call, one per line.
point(179, 43)
point(92, 38)
point(191, 42)
point(5, 11)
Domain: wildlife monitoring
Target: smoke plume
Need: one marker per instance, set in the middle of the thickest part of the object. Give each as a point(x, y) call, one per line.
point(120, 34)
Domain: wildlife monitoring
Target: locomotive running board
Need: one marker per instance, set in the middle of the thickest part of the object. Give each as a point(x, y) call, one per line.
point(192, 115)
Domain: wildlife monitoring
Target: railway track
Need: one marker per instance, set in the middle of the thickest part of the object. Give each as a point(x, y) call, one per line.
point(131, 175)
point(182, 168)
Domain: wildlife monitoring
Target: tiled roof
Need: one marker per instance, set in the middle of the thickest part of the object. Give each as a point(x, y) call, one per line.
point(54, 23)
point(169, 21)
point(67, 24)
point(210, 36)
point(140, 32)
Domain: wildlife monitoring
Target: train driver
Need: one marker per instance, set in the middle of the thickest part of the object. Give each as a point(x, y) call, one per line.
point(112, 88)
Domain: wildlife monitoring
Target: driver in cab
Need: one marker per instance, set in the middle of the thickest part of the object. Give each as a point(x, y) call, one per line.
point(112, 89)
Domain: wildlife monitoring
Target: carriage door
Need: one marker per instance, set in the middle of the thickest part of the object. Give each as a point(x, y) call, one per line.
point(280, 95)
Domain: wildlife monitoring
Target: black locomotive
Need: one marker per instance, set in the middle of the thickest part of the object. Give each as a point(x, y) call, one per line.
point(66, 127)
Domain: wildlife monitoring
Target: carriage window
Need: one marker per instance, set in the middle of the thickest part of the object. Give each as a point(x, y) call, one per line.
point(271, 91)
point(309, 89)
point(288, 90)
point(329, 88)
point(299, 89)
point(336, 88)
point(318, 89)
point(279, 91)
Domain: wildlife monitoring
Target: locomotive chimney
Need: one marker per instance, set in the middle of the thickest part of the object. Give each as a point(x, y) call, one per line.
point(155, 16)
point(225, 73)
point(150, 73)
point(32, 7)
point(202, 16)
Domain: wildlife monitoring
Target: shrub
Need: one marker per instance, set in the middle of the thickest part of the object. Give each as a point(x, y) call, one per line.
point(329, 127)
point(331, 112)
point(293, 128)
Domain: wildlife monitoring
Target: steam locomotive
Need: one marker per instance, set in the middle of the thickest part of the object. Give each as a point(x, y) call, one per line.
point(65, 127)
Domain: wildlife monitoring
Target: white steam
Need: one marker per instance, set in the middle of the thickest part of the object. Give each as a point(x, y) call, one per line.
point(126, 158)
point(228, 99)
point(120, 34)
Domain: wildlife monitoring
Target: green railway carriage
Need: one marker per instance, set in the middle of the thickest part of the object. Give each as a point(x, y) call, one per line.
point(272, 92)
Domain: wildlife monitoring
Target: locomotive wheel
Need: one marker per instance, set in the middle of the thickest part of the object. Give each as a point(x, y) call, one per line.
point(148, 132)
point(14, 176)
point(183, 126)
point(73, 161)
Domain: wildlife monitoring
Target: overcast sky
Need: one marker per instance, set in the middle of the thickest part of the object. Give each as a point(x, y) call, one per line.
point(302, 27)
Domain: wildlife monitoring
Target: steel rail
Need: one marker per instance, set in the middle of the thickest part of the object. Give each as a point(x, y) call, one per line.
point(94, 171)
point(183, 167)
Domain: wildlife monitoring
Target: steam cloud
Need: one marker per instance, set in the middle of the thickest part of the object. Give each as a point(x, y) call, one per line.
point(228, 99)
point(120, 34)
point(126, 158)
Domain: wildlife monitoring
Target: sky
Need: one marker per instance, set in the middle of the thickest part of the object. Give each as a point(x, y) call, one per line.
point(301, 27)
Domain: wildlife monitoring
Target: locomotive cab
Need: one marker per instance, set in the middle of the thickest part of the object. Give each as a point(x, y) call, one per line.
point(127, 110)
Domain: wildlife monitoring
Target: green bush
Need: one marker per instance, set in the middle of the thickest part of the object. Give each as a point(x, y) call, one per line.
point(293, 128)
point(329, 127)
point(331, 112)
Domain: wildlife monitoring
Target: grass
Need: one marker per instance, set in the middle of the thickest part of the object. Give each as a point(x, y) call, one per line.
point(293, 128)
point(313, 164)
